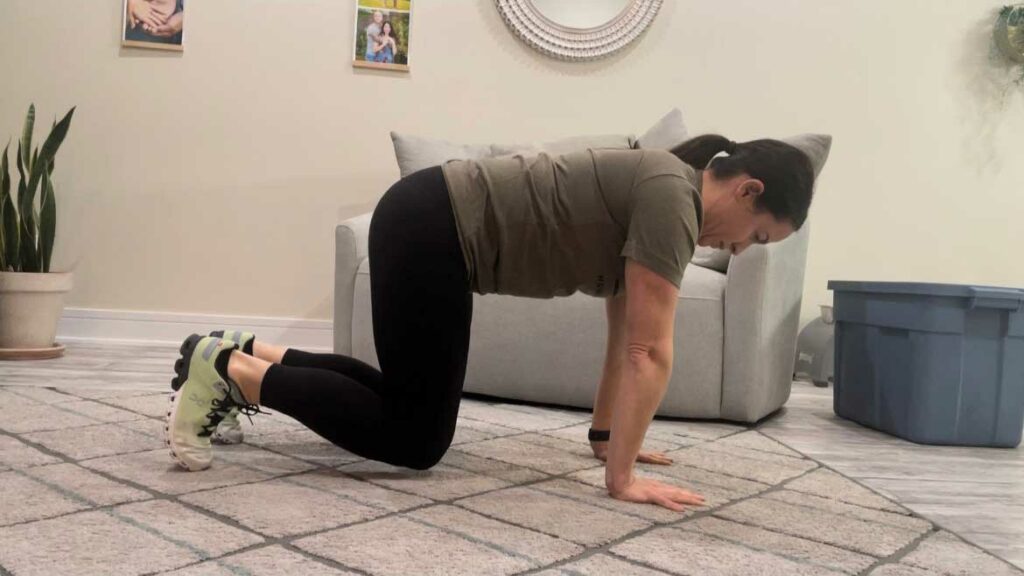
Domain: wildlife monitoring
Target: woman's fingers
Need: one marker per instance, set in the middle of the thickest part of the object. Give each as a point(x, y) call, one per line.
point(667, 503)
point(685, 497)
point(678, 494)
point(654, 458)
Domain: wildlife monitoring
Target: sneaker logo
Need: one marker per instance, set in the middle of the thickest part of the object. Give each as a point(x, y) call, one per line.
point(195, 399)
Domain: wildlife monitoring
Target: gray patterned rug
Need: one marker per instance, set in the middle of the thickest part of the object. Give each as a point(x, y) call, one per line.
point(87, 487)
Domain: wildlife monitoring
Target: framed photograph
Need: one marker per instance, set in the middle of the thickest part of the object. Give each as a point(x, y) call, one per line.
point(156, 24)
point(382, 34)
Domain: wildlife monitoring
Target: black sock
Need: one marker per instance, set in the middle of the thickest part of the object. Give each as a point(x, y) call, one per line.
point(247, 348)
point(221, 364)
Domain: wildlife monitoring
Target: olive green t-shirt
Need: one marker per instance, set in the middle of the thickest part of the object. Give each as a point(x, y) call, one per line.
point(545, 226)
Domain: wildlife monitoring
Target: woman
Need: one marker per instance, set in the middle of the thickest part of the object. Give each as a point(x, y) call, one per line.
point(385, 47)
point(617, 224)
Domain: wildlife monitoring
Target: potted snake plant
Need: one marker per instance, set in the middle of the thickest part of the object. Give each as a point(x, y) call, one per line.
point(31, 296)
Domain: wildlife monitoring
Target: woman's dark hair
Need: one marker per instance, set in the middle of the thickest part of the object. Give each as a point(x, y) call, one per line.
point(786, 172)
point(388, 24)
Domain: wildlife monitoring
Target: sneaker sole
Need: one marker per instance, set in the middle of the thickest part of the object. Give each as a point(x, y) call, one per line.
point(181, 364)
point(181, 369)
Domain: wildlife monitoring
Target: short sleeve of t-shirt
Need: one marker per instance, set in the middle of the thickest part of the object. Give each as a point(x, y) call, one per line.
point(663, 225)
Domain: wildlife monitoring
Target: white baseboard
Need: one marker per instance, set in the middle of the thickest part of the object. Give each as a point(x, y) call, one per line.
point(140, 327)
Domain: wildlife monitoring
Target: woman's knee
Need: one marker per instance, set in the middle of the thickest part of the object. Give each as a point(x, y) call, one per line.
point(424, 454)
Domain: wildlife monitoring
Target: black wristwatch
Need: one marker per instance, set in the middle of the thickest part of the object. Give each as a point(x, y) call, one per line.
point(598, 435)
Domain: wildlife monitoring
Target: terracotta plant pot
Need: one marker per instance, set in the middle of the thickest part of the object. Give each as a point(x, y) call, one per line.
point(31, 304)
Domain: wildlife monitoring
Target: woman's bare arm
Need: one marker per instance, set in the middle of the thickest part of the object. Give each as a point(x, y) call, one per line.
point(614, 361)
point(650, 317)
point(613, 373)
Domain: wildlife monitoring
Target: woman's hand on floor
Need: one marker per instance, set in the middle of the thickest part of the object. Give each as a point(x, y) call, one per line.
point(646, 491)
point(601, 453)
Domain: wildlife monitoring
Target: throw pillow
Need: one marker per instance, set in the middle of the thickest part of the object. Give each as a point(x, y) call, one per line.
point(415, 153)
point(667, 133)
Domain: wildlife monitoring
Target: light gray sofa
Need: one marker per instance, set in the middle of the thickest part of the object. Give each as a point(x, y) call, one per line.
point(734, 345)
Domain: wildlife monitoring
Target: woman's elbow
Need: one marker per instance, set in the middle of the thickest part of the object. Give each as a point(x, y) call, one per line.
point(650, 358)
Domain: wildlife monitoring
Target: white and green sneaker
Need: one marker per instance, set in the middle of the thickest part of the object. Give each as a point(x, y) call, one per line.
point(243, 339)
point(202, 398)
point(229, 431)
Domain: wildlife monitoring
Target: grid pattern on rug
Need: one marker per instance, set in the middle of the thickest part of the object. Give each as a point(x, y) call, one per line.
point(88, 487)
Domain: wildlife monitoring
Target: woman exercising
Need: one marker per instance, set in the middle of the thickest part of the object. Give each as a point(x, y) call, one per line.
point(615, 224)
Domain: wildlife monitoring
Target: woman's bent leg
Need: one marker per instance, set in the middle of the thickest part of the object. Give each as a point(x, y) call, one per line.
point(344, 365)
point(422, 310)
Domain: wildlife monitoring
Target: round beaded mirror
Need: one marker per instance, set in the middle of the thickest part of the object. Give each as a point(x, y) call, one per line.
point(578, 29)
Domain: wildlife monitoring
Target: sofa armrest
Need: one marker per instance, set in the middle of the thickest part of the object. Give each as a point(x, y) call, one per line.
point(763, 291)
point(351, 241)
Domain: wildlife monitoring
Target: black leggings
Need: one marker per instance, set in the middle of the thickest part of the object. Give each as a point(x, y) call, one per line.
point(405, 413)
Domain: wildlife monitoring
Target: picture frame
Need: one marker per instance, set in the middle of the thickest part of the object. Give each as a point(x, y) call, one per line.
point(381, 39)
point(153, 24)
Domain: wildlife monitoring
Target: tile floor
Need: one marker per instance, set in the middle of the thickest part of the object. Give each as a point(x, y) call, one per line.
point(86, 487)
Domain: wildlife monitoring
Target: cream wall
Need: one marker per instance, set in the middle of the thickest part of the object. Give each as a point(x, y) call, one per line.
point(211, 182)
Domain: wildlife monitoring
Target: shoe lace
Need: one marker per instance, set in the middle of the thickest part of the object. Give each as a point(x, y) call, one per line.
point(222, 407)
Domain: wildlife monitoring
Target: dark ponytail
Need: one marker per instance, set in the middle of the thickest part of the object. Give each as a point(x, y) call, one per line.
point(786, 172)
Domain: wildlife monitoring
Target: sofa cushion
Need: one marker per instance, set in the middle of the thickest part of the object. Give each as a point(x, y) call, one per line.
point(552, 350)
point(667, 133)
point(711, 258)
point(415, 153)
point(698, 283)
point(702, 284)
point(564, 145)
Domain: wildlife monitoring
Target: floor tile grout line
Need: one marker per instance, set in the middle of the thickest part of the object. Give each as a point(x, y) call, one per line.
point(156, 495)
point(324, 560)
point(15, 435)
point(696, 516)
point(741, 544)
point(478, 541)
point(448, 501)
point(851, 504)
point(898, 555)
point(453, 501)
point(913, 512)
point(833, 470)
point(222, 560)
point(498, 403)
point(96, 421)
point(13, 389)
point(93, 506)
point(783, 486)
point(880, 560)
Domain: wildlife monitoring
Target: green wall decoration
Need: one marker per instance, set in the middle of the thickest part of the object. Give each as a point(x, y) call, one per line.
point(1009, 35)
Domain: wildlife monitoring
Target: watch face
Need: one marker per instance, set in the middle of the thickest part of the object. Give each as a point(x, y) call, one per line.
point(1009, 32)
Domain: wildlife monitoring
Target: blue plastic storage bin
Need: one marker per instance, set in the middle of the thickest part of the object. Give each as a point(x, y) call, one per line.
point(931, 363)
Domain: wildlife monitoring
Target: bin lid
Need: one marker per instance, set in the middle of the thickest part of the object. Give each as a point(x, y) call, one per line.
point(991, 294)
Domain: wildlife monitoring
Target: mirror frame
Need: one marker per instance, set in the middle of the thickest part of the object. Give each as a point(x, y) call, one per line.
point(577, 44)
